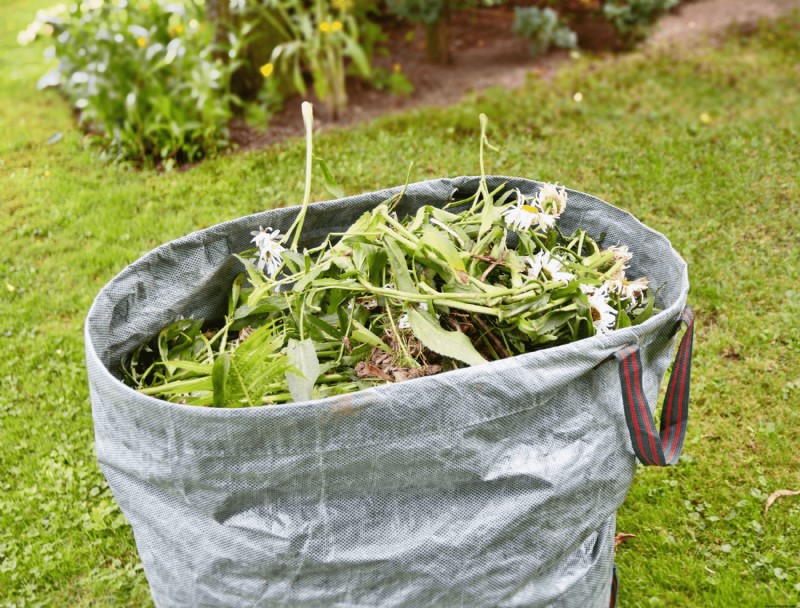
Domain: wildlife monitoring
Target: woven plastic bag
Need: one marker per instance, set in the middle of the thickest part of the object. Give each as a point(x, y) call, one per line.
point(491, 486)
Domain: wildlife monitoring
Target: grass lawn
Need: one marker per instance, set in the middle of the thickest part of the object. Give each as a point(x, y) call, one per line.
point(723, 188)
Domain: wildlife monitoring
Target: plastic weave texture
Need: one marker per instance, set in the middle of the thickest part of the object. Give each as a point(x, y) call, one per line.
point(490, 486)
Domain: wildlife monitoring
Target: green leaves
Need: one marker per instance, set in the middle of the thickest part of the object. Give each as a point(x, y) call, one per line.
point(397, 260)
point(328, 180)
point(303, 358)
point(394, 295)
point(157, 90)
point(443, 247)
point(452, 344)
point(219, 378)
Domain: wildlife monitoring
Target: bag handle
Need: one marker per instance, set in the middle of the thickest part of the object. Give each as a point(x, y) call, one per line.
point(664, 448)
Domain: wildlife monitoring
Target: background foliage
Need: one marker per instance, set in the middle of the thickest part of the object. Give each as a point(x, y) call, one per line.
point(146, 75)
point(159, 81)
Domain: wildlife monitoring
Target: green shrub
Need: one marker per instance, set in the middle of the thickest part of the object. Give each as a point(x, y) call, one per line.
point(317, 41)
point(145, 76)
point(291, 44)
point(632, 18)
point(543, 29)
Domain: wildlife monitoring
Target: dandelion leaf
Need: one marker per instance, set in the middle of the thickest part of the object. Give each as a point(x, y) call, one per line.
point(448, 343)
point(303, 357)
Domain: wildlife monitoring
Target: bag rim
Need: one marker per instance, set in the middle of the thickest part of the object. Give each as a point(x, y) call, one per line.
point(605, 343)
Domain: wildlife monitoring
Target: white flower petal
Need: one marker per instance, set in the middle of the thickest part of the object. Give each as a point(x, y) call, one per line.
point(604, 316)
point(269, 249)
point(552, 199)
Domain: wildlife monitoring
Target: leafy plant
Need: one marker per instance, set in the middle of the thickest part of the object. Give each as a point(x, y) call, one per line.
point(632, 18)
point(316, 40)
point(543, 29)
point(393, 298)
point(395, 81)
point(145, 77)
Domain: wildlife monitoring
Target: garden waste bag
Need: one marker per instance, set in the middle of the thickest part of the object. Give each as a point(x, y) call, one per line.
point(490, 486)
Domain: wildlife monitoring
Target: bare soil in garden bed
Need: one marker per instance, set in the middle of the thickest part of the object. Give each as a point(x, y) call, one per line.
point(486, 54)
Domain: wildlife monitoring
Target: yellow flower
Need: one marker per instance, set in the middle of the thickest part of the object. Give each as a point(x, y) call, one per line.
point(342, 5)
point(266, 70)
point(397, 68)
point(336, 26)
point(705, 118)
point(175, 30)
point(325, 26)
point(141, 41)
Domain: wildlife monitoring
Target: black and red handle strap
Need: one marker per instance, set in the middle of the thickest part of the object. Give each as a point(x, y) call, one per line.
point(664, 447)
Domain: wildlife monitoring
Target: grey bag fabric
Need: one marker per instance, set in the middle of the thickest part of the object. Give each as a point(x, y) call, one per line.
point(492, 486)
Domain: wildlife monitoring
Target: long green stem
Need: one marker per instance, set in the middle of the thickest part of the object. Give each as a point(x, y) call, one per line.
point(308, 122)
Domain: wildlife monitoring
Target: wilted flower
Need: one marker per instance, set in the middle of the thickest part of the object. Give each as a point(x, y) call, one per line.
point(543, 211)
point(628, 290)
point(551, 266)
point(521, 216)
point(269, 248)
point(620, 260)
point(552, 200)
point(621, 253)
point(603, 314)
point(403, 322)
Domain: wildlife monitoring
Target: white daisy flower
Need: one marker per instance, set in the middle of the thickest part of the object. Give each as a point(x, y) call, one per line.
point(628, 290)
point(621, 253)
point(615, 285)
point(620, 260)
point(547, 221)
point(604, 316)
point(552, 200)
point(521, 216)
point(621, 257)
point(238, 6)
point(552, 267)
point(635, 290)
point(269, 249)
